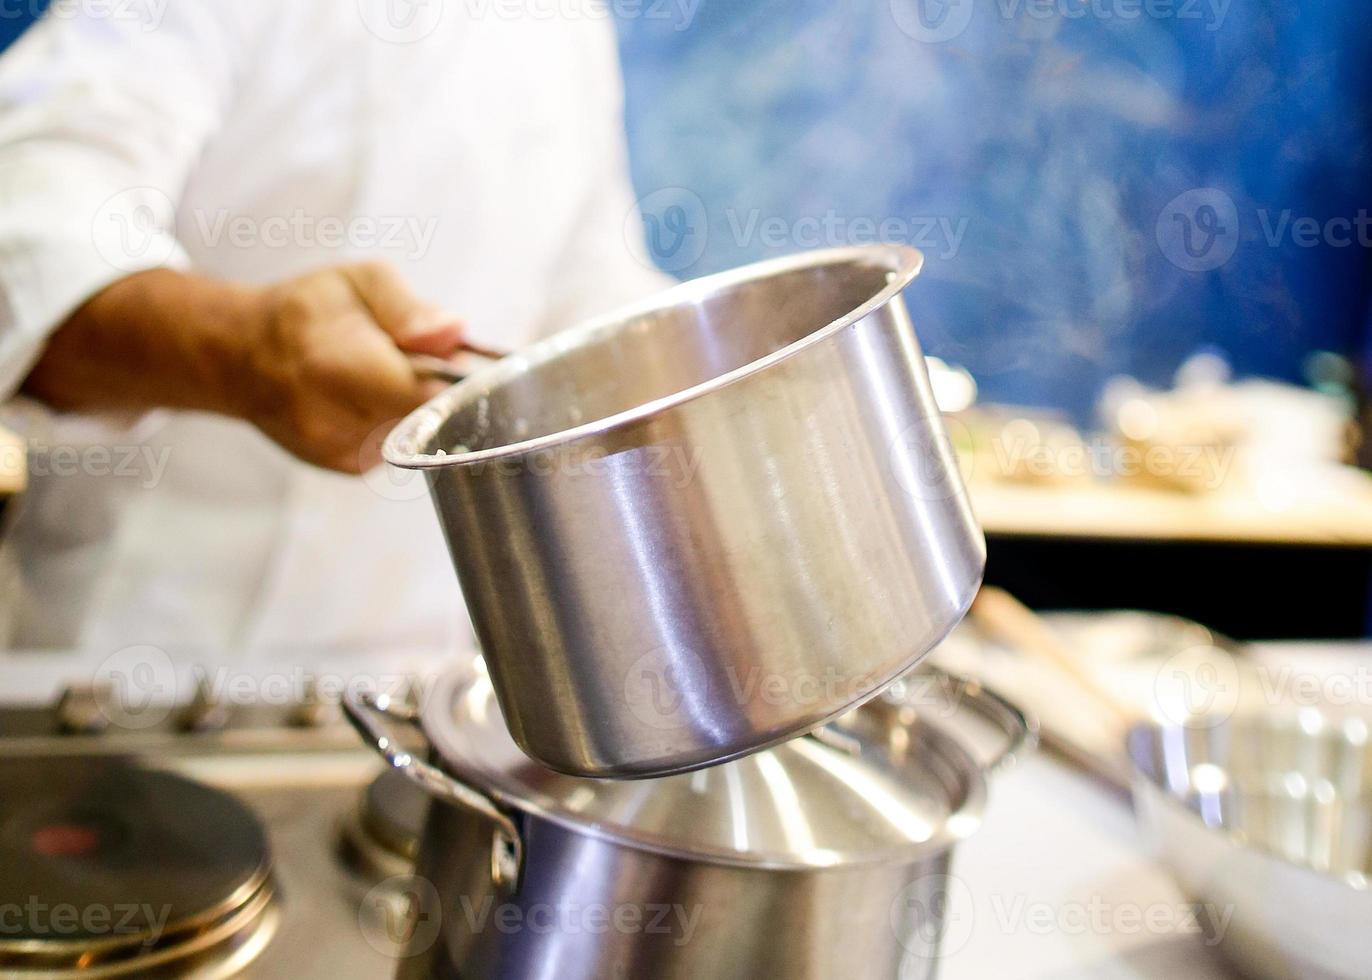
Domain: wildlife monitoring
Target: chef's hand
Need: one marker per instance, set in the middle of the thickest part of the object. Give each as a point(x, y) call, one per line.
point(317, 363)
point(328, 371)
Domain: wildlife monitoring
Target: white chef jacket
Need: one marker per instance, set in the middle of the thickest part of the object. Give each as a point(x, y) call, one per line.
point(477, 146)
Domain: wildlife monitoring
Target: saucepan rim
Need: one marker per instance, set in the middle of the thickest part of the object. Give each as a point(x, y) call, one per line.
point(902, 264)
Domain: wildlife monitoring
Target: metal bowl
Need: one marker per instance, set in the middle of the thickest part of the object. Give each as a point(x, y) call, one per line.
point(1265, 820)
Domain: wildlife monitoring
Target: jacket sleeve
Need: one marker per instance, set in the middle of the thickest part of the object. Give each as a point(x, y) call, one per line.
point(604, 261)
point(103, 111)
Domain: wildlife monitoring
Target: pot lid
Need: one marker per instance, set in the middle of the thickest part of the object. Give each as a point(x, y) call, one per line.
point(891, 780)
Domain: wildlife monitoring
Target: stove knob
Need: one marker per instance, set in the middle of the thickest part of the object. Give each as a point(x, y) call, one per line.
point(82, 709)
point(314, 711)
point(205, 712)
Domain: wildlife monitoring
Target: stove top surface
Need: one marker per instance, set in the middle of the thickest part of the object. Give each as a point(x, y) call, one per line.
point(236, 831)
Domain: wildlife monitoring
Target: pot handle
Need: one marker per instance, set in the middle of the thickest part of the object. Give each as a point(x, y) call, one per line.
point(365, 711)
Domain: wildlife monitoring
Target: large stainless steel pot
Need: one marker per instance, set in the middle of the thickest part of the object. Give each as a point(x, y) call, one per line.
point(706, 524)
point(810, 861)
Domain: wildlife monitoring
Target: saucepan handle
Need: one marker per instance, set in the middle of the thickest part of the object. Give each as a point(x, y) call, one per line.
point(369, 714)
point(442, 369)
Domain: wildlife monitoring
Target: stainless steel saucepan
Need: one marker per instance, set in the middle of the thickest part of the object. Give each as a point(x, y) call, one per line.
point(1265, 820)
point(706, 524)
point(823, 858)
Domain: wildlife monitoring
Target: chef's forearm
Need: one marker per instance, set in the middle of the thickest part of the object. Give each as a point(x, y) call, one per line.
point(155, 339)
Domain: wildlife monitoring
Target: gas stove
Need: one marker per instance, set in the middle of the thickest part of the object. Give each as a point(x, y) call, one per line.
point(206, 837)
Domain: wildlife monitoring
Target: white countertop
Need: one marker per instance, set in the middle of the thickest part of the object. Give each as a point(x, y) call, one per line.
point(1056, 885)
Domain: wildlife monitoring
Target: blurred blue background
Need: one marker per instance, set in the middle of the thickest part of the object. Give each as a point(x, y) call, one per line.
point(1051, 158)
point(1100, 186)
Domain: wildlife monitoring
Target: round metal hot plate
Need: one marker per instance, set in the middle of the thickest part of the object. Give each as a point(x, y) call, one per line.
point(113, 869)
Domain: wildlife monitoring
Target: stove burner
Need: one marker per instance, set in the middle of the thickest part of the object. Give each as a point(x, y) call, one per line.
point(111, 870)
point(380, 837)
point(65, 840)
